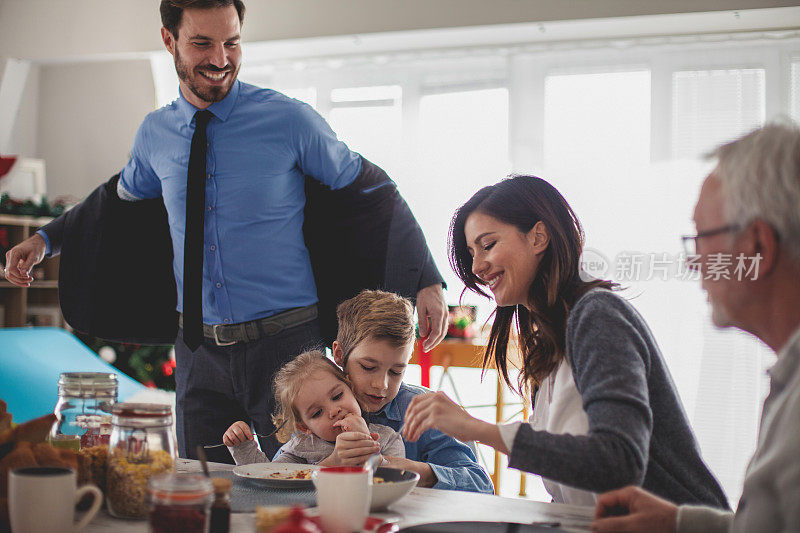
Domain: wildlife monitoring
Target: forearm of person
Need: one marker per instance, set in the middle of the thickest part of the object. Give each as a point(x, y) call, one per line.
point(429, 273)
point(468, 476)
point(489, 434)
point(427, 477)
point(53, 234)
point(247, 453)
point(289, 458)
point(596, 462)
point(701, 519)
point(453, 463)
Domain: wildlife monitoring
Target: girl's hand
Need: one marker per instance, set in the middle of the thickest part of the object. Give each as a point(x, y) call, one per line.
point(238, 433)
point(352, 448)
point(426, 476)
point(436, 411)
point(352, 422)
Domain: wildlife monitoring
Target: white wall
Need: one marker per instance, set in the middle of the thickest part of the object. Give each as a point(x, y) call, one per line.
point(24, 133)
point(46, 29)
point(91, 84)
point(88, 115)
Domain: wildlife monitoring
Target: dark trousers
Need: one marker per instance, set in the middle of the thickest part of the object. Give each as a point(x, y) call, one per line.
point(218, 385)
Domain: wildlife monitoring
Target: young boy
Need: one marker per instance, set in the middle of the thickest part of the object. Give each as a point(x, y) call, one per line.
point(373, 346)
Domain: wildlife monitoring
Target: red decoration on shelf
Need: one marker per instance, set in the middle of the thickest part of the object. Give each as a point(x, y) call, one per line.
point(6, 163)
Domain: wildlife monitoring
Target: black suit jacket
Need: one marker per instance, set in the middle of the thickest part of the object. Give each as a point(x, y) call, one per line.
point(116, 279)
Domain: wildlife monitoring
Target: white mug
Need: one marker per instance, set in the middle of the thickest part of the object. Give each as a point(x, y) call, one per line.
point(343, 497)
point(42, 499)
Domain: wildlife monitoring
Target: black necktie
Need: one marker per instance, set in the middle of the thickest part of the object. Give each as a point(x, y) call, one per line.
point(193, 239)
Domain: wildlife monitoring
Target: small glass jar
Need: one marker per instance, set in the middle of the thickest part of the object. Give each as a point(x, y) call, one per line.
point(179, 502)
point(142, 445)
point(221, 508)
point(83, 411)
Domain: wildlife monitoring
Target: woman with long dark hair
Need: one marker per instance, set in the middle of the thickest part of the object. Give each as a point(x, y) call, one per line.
point(605, 410)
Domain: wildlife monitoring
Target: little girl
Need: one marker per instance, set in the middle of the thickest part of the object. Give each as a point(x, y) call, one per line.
point(314, 405)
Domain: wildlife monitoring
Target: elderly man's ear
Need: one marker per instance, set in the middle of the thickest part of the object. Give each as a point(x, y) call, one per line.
point(762, 239)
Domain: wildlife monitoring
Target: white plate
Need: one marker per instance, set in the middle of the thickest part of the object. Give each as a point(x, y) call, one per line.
point(275, 474)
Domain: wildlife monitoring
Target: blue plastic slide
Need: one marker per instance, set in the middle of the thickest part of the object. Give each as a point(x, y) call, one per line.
point(31, 360)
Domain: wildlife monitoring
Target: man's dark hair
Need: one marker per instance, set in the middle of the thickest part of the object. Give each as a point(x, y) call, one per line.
point(172, 10)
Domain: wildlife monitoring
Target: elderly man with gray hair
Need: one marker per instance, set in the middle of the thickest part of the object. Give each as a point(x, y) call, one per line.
point(749, 207)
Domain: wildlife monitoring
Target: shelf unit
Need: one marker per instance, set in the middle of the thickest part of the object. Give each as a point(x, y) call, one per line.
point(37, 304)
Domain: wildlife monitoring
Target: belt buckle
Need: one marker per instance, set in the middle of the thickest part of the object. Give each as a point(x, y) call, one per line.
point(216, 337)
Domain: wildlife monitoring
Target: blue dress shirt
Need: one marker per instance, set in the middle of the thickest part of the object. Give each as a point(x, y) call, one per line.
point(261, 145)
point(452, 461)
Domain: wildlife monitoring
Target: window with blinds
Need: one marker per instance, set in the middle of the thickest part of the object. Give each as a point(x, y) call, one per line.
point(369, 120)
point(710, 107)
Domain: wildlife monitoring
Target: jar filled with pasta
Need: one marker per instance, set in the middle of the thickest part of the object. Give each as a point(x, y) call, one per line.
point(142, 445)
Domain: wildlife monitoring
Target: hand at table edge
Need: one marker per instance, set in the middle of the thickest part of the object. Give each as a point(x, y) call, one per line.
point(427, 478)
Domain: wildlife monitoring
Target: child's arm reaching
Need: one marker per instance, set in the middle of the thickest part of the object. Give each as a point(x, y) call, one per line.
point(242, 445)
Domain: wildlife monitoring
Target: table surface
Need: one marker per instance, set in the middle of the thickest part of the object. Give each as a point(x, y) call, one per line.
point(421, 506)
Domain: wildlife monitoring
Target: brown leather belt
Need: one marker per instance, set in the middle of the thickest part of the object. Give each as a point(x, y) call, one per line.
point(227, 334)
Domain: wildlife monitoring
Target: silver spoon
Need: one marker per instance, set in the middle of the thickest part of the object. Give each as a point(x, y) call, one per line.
point(373, 462)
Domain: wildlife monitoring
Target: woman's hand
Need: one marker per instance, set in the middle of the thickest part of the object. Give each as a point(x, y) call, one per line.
point(352, 449)
point(426, 476)
point(436, 411)
point(238, 433)
point(352, 422)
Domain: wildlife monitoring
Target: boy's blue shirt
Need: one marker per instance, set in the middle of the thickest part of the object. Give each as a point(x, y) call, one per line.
point(452, 461)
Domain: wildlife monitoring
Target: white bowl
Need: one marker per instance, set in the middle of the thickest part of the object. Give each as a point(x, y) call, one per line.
point(397, 483)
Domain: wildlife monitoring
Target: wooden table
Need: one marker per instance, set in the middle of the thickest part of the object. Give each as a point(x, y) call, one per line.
point(421, 506)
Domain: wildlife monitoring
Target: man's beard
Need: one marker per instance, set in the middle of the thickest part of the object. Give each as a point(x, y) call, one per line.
point(208, 93)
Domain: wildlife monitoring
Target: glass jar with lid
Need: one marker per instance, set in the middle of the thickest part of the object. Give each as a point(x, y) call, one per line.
point(83, 411)
point(142, 445)
point(179, 502)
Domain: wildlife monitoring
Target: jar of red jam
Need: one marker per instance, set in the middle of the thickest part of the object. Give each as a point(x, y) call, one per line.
point(179, 502)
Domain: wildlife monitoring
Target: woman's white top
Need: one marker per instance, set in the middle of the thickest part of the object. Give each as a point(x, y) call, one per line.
point(558, 409)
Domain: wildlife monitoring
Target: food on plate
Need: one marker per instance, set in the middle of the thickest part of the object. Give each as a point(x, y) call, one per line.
point(269, 517)
point(297, 474)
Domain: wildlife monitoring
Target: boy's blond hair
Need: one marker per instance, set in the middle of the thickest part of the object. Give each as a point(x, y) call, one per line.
point(287, 382)
point(374, 315)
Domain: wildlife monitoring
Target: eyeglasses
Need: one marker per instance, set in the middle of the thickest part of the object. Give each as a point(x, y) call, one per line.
point(690, 241)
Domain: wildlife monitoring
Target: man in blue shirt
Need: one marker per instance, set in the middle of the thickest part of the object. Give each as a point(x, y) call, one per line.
point(259, 296)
